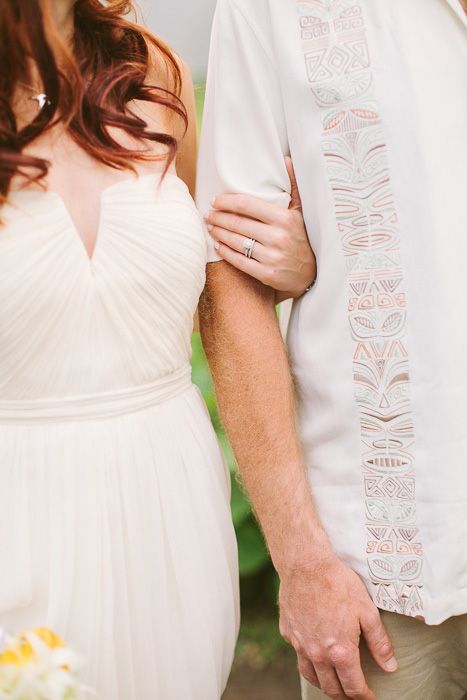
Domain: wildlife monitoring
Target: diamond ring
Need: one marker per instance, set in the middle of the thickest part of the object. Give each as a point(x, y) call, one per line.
point(249, 244)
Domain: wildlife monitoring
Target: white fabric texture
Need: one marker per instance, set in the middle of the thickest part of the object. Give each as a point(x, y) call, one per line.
point(369, 98)
point(115, 526)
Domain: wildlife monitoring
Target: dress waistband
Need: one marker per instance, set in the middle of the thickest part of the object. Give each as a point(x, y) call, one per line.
point(105, 405)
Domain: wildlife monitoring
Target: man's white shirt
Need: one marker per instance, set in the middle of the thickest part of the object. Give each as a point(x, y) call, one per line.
point(370, 99)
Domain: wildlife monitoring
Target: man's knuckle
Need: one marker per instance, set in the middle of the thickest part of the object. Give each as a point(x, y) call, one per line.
point(308, 652)
point(339, 655)
point(356, 692)
point(317, 657)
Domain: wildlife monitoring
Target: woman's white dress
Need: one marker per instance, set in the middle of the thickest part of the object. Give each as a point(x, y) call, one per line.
point(115, 528)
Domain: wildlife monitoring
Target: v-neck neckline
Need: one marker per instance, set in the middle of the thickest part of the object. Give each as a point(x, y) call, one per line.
point(91, 258)
point(74, 229)
point(102, 213)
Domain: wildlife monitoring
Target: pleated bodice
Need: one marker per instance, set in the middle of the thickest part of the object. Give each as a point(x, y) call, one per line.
point(73, 325)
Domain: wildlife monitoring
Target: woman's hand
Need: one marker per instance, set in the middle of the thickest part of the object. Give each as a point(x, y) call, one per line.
point(281, 257)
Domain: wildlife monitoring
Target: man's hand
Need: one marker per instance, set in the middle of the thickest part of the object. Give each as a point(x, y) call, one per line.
point(324, 611)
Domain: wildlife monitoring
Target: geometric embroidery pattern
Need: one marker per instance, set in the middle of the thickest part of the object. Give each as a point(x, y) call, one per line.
point(338, 70)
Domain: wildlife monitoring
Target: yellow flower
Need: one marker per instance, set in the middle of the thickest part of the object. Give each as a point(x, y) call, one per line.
point(50, 638)
point(21, 652)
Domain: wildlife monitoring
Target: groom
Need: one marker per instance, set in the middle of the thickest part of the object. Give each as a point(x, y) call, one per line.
point(364, 505)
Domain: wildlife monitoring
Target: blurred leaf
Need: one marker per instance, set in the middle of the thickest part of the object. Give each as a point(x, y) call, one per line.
point(227, 450)
point(241, 508)
point(275, 584)
point(201, 373)
point(260, 642)
point(252, 553)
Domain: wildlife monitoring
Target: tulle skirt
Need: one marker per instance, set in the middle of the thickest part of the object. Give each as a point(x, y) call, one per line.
point(115, 531)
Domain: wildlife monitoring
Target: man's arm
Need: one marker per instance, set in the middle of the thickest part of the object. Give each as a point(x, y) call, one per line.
point(324, 605)
point(254, 389)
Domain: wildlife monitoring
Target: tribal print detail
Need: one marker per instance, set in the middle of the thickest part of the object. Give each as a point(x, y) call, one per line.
point(337, 66)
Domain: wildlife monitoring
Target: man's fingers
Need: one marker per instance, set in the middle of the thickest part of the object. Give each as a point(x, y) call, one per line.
point(248, 206)
point(352, 679)
point(295, 201)
point(307, 670)
point(378, 642)
point(329, 682)
point(250, 228)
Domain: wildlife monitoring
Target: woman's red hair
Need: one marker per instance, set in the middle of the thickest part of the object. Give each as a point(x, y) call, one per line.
point(88, 88)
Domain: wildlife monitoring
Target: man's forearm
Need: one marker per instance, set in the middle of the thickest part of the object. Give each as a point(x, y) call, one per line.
point(254, 388)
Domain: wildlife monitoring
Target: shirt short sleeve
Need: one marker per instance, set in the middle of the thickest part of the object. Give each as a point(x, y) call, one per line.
point(244, 137)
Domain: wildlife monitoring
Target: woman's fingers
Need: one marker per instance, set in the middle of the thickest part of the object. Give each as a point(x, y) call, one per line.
point(295, 201)
point(247, 265)
point(248, 228)
point(236, 242)
point(282, 246)
point(248, 206)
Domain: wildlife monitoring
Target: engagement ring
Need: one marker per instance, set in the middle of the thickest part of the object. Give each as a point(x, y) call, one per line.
point(249, 244)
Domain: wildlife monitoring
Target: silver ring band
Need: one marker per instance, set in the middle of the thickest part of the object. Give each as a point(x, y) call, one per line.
point(249, 244)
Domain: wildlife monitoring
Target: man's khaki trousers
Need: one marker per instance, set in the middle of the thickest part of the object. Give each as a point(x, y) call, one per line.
point(432, 662)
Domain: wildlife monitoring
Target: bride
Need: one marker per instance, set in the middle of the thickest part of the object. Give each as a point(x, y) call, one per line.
point(115, 527)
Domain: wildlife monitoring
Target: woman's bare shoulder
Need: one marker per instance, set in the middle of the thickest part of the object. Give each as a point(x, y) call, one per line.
point(170, 77)
point(175, 79)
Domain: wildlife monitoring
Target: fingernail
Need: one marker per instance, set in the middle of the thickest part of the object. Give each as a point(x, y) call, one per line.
point(216, 246)
point(209, 227)
point(392, 664)
point(206, 216)
point(213, 202)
